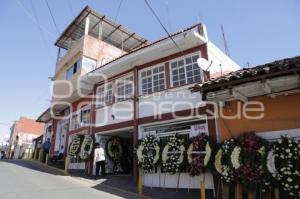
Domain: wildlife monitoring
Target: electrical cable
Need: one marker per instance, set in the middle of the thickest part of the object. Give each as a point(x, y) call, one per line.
point(118, 10)
point(160, 22)
point(52, 16)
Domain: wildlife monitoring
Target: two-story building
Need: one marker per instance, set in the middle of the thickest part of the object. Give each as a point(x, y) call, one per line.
point(112, 82)
point(23, 131)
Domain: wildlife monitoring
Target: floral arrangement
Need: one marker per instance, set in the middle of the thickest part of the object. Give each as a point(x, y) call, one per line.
point(75, 145)
point(199, 154)
point(148, 153)
point(247, 160)
point(222, 161)
point(284, 164)
point(173, 155)
point(114, 149)
point(86, 147)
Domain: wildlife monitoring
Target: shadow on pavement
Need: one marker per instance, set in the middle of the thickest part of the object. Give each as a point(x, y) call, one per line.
point(123, 186)
point(118, 184)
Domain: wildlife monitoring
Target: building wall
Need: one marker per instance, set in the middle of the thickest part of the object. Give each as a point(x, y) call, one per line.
point(219, 57)
point(281, 113)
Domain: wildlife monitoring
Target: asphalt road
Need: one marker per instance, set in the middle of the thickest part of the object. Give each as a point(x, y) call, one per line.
point(20, 181)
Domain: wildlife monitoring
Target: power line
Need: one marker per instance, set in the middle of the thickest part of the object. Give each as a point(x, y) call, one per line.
point(225, 41)
point(28, 13)
point(161, 24)
point(40, 29)
point(52, 16)
point(118, 10)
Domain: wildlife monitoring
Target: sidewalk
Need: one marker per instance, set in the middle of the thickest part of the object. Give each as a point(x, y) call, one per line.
point(121, 185)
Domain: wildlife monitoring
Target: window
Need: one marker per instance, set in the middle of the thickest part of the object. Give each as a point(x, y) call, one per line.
point(104, 95)
point(185, 71)
point(153, 80)
point(74, 121)
point(86, 115)
point(88, 64)
point(73, 69)
point(124, 88)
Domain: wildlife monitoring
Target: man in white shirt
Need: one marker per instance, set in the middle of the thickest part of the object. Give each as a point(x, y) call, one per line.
point(99, 160)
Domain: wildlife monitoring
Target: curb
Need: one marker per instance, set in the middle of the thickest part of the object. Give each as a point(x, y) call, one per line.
point(87, 180)
point(47, 166)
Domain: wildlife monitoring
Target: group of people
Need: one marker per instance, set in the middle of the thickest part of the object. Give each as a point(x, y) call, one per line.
point(99, 157)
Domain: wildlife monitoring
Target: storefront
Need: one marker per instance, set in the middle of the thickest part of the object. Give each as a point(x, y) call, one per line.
point(118, 146)
point(186, 129)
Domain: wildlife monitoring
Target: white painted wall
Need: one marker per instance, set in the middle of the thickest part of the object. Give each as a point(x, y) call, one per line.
point(219, 57)
point(168, 101)
point(170, 181)
point(273, 135)
point(122, 111)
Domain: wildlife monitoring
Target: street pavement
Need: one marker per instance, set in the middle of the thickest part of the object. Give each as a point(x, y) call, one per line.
point(21, 180)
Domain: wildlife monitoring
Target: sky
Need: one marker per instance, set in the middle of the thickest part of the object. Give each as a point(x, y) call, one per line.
point(256, 32)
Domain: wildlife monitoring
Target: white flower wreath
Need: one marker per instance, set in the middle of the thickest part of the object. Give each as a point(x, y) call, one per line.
point(286, 169)
point(172, 163)
point(86, 147)
point(75, 145)
point(147, 160)
point(271, 164)
point(235, 157)
point(116, 153)
point(207, 152)
point(225, 170)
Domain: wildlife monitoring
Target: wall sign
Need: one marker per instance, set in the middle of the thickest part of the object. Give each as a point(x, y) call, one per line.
point(197, 129)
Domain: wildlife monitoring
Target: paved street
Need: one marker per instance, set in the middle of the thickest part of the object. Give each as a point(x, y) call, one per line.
point(22, 180)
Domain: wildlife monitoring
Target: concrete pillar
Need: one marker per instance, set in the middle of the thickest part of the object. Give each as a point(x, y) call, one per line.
point(87, 26)
point(100, 30)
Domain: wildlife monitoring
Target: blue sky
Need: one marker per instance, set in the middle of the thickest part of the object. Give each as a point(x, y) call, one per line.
point(256, 31)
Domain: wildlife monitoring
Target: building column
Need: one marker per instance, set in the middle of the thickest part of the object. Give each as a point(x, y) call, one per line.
point(87, 26)
point(135, 122)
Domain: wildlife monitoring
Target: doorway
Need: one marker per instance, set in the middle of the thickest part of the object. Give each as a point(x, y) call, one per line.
point(118, 148)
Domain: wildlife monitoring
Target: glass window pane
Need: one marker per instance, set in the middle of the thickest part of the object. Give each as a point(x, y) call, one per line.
point(197, 78)
point(195, 58)
point(180, 63)
point(174, 64)
point(188, 60)
point(190, 80)
point(189, 68)
point(189, 74)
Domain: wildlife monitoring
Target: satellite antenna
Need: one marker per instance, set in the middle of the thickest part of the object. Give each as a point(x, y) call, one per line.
point(204, 64)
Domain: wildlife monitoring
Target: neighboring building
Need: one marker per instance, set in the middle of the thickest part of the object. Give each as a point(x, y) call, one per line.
point(36, 146)
point(263, 99)
point(23, 131)
point(130, 88)
point(271, 91)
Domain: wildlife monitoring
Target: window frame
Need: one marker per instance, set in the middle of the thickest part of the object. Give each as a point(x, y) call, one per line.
point(125, 95)
point(73, 68)
point(73, 126)
point(88, 108)
point(104, 103)
point(141, 92)
point(199, 54)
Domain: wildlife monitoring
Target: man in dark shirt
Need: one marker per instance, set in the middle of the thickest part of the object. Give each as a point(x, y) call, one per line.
point(46, 148)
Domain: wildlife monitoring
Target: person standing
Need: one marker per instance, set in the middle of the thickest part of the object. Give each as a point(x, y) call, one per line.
point(46, 149)
point(99, 160)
